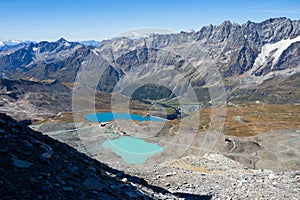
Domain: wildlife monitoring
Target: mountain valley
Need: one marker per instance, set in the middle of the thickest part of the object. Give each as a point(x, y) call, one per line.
point(230, 95)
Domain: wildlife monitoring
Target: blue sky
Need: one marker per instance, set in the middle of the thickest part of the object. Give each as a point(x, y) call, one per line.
point(91, 19)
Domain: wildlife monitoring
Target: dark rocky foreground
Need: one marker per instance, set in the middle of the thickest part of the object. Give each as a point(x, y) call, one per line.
point(35, 166)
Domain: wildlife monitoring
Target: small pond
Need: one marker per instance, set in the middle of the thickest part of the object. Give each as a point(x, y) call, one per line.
point(132, 150)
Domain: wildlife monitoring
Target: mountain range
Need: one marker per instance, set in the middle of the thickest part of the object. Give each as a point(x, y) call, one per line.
point(256, 61)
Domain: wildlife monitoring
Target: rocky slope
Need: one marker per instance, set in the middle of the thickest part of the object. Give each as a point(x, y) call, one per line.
point(34, 166)
point(212, 174)
point(222, 178)
point(34, 99)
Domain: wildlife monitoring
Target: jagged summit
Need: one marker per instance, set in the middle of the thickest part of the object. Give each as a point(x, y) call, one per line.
point(62, 40)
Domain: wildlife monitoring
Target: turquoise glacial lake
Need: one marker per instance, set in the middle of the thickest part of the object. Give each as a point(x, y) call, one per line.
point(132, 150)
point(109, 116)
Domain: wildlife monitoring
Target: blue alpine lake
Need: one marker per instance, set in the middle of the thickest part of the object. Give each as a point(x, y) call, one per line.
point(132, 150)
point(109, 116)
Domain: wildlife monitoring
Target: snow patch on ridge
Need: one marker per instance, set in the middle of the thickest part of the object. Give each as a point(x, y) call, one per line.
point(272, 51)
point(96, 52)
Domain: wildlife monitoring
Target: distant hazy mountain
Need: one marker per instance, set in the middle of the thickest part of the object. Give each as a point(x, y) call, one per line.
point(10, 42)
point(93, 43)
point(8, 45)
point(256, 60)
